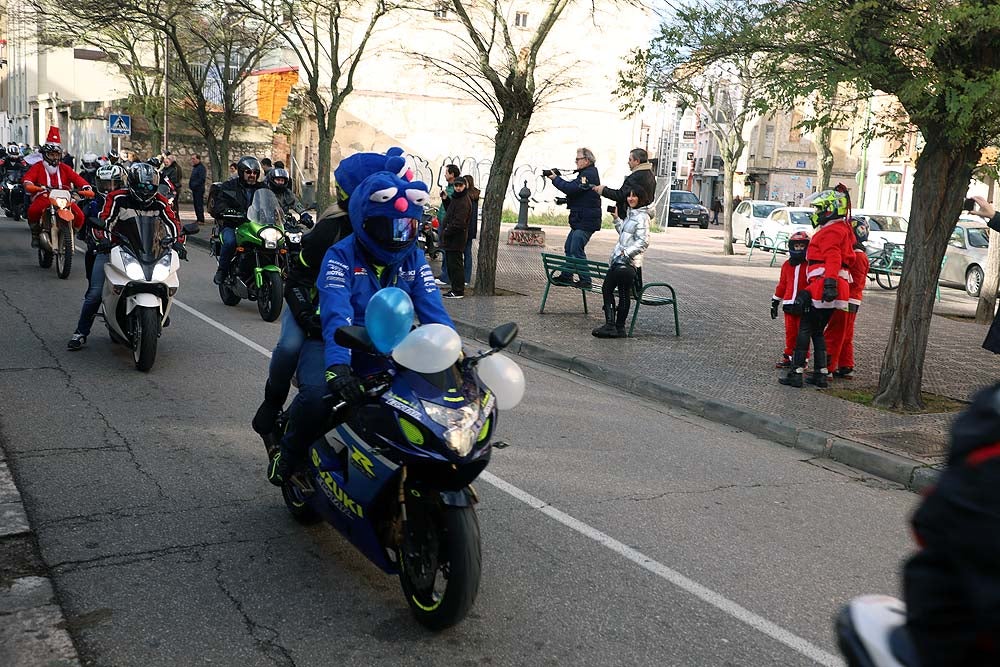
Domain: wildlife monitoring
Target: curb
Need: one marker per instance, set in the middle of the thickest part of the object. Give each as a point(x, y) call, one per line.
point(32, 624)
point(911, 474)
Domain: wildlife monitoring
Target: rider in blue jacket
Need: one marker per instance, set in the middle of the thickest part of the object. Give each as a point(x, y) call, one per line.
point(382, 252)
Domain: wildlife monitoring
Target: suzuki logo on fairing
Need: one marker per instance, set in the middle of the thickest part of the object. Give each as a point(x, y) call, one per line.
point(343, 502)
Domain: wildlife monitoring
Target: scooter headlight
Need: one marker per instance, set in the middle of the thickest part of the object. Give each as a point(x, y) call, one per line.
point(270, 236)
point(161, 271)
point(294, 237)
point(133, 269)
point(460, 435)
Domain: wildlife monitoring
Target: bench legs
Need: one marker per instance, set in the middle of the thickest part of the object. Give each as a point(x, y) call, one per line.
point(673, 303)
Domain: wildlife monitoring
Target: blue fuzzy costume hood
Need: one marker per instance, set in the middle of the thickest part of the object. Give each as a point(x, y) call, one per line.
point(386, 194)
point(355, 168)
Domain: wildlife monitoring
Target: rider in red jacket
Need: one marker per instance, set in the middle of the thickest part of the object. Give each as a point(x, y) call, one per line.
point(51, 174)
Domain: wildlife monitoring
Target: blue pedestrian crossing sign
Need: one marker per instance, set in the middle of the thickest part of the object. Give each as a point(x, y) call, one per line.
point(120, 124)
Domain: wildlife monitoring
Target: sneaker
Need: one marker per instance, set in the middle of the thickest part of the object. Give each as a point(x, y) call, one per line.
point(784, 362)
point(452, 295)
point(440, 283)
point(76, 342)
point(562, 280)
point(845, 372)
point(219, 277)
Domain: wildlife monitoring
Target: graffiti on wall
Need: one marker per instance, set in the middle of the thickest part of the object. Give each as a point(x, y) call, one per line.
point(541, 188)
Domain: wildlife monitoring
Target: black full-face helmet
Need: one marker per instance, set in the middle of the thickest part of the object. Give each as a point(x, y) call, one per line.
point(277, 179)
point(143, 181)
point(248, 170)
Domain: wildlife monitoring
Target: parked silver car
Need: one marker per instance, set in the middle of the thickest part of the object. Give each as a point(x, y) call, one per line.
point(966, 255)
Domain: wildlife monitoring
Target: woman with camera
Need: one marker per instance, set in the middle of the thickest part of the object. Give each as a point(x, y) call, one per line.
point(626, 260)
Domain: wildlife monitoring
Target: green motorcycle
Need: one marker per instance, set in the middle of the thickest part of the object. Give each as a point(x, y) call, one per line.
point(255, 272)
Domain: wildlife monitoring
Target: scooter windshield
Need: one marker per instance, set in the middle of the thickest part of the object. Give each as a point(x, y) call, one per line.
point(142, 235)
point(264, 209)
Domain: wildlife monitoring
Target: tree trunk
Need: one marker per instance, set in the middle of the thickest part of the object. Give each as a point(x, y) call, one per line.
point(939, 186)
point(324, 157)
point(510, 135)
point(728, 174)
point(824, 157)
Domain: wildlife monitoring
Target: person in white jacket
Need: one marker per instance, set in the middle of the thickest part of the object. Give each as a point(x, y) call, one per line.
point(626, 261)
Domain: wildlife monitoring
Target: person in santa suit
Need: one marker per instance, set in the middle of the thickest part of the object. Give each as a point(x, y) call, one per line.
point(840, 333)
point(51, 174)
point(828, 259)
point(786, 294)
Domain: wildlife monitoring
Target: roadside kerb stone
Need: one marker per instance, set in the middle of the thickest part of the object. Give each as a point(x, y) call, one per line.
point(909, 473)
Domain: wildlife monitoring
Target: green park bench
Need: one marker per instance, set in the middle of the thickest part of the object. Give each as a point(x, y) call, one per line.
point(778, 244)
point(596, 271)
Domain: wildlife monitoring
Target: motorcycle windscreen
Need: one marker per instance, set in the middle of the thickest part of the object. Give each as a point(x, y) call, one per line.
point(264, 209)
point(142, 235)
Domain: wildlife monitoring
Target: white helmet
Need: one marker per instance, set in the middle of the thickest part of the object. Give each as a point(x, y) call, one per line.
point(89, 161)
point(110, 177)
point(13, 150)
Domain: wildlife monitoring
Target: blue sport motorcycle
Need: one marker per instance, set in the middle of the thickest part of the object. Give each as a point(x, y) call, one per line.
point(395, 478)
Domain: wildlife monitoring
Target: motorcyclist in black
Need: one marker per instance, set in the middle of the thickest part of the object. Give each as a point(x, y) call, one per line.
point(88, 168)
point(234, 195)
point(12, 160)
point(277, 180)
point(952, 585)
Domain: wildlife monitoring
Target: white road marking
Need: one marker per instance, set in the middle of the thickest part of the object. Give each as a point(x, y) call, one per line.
point(703, 593)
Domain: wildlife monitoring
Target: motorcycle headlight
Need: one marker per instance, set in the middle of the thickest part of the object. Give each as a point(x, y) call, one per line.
point(460, 435)
point(270, 236)
point(62, 202)
point(162, 268)
point(133, 269)
point(294, 237)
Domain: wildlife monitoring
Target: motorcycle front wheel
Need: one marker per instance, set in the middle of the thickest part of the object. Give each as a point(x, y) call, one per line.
point(269, 297)
point(441, 564)
point(146, 328)
point(64, 258)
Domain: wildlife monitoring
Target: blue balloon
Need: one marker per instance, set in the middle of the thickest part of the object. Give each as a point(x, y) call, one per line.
point(388, 318)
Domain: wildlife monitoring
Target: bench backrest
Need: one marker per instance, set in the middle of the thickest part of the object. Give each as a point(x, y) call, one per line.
point(553, 263)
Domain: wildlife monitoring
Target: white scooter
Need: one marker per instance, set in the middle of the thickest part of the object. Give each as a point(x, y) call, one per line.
point(871, 632)
point(140, 283)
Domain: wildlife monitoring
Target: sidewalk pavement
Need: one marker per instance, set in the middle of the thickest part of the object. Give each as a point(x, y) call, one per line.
point(722, 365)
point(32, 626)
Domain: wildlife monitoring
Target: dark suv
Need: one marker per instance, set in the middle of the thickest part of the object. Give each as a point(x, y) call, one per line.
point(686, 210)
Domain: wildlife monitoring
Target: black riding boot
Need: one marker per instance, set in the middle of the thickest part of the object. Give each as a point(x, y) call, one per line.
point(621, 316)
point(820, 371)
point(796, 371)
point(608, 330)
point(263, 421)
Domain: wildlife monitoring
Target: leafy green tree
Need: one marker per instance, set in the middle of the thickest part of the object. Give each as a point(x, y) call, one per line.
point(941, 61)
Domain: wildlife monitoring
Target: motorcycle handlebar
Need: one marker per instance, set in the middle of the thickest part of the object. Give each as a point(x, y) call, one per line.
point(373, 391)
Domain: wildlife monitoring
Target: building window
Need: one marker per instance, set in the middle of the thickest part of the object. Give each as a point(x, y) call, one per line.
point(521, 20)
point(890, 191)
point(441, 10)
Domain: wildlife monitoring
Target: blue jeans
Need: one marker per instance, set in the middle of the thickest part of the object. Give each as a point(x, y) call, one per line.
point(285, 357)
point(92, 299)
point(576, 241)
point(228, 237)
point(468, 265)
point(308, 411)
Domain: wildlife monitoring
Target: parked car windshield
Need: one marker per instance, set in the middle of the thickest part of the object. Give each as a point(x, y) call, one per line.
point(763, 210)
point(886, 223)
point(979, 237)
point(681, 197)
point(801, 217)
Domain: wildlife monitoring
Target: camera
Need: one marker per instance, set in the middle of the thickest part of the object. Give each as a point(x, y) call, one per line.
point(969, 205)
point(612, 209)
point(549, 172)
point(561, 201)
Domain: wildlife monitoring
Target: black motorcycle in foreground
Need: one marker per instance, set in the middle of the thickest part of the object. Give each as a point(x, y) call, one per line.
point(12, 195)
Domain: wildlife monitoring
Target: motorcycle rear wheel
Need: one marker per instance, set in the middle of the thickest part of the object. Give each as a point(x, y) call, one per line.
point(228, 296)
point(147, 332)
point(64, 258)
point(441, 579)
point(269, 297)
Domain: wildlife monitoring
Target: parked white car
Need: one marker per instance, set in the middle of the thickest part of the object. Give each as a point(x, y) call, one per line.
point(748, 212)
point(787, 220)
point(966, 256)
point(882, 227)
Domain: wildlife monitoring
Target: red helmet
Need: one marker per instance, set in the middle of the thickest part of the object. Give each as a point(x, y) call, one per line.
point(798, 236)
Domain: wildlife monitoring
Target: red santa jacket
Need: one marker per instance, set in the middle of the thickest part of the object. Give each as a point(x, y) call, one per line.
point(831, 255)
point(62, 179)
point(859, 275)
point(791, 282)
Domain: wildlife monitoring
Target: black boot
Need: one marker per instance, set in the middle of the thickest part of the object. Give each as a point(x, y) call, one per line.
point(820, 372)
point(793, 379)
point(263, 421)
point(608, 330)
point(621, 316)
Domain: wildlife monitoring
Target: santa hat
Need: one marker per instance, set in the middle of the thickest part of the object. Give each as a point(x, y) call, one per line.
point(53, 137)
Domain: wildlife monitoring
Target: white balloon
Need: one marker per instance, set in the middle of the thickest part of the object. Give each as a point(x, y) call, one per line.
point(430, 348)
point(504, 378)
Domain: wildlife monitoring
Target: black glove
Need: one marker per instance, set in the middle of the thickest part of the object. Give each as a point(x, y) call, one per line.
point(306, 220)
point(181, 250)
point(829, 289)
point(774, 308)
point(343, 385)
